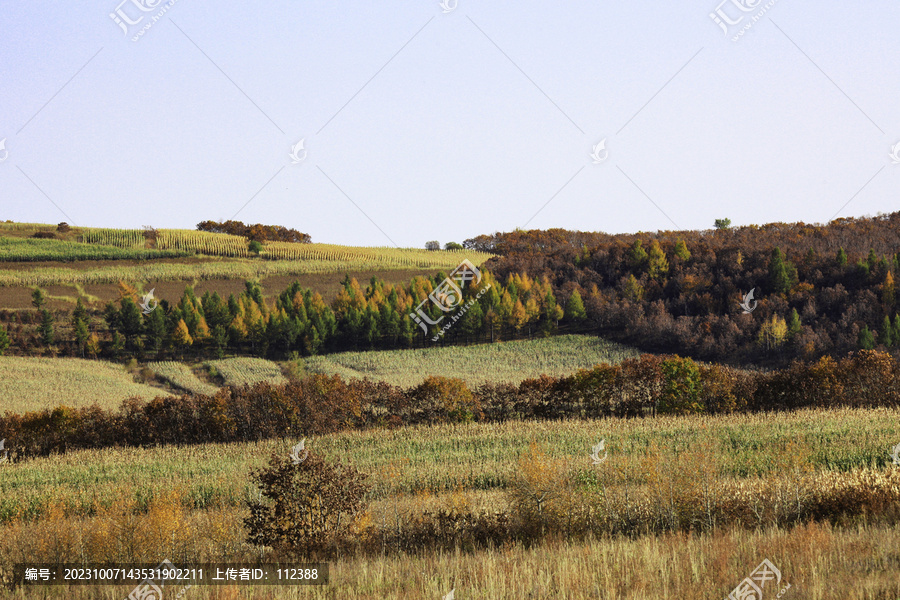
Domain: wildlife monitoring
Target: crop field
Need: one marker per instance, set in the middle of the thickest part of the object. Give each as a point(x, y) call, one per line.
point(245, 370)
point(29, 250)
point(509, 362)
point(29, 384)
point(245, 269)
point(189, 504)
point(181, 376)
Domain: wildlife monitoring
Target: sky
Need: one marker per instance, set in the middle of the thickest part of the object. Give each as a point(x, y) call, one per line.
point(426, 121)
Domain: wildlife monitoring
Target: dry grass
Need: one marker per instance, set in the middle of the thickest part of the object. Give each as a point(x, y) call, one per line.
point(29, 384)
point(508, 362)
point(245, 370)
point(181, 376)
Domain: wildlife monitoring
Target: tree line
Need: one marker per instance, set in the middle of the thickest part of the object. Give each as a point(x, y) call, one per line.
point(818, 289)
point(319, 404)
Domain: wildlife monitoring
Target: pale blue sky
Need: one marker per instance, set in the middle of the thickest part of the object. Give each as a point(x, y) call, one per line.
point(447, 125)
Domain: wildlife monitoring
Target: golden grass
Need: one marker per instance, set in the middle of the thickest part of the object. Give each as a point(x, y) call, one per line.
point(246, 370)
point(507, 362)
point(29, 384)
point(181, 376)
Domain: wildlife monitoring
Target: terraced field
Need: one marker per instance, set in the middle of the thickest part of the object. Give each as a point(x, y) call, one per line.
point(509, 362)
point(30, 384)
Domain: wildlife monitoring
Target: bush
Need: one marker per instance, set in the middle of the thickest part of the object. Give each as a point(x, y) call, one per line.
point(254, 247)
point(63, 227)
point(681, 388)
point(312, 506)
point(447, 398)
point(44, 235)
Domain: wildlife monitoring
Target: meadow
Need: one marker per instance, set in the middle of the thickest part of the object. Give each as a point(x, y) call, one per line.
point(507, 362)
point(30, 384)
point(187, 504)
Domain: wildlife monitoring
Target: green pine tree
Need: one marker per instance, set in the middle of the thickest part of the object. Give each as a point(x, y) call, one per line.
point(866, 340)
point(48, 337)
point(575, 308)
point(681, 251)
point(659, 265)
point(841, 257)
point(4, 340)
point(794, 325)
point(887, 333)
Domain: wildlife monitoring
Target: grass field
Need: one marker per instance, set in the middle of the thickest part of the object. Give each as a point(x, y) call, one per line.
point(244, 370)
point(28, 384)
point(195, 496)
point(509, 362)
point(181, 376)
point(33, 250)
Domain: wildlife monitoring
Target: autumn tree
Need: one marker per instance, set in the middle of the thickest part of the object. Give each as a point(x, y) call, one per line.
point(658, 264)
point(773, 332)
point(681, 251)
point(181, 337)
point(310, 505)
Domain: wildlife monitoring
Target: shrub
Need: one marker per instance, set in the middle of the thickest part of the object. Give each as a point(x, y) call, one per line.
point(681, 388)
point(447, 398)
point(63, 227)
point(312, 506)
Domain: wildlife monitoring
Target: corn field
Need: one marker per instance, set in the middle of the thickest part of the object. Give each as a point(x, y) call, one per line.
point(30, 384)
point(656, 473)
point(181, 376)
point(510, 362)
point(27, 249)
point(240, 371)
